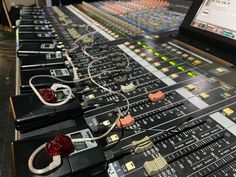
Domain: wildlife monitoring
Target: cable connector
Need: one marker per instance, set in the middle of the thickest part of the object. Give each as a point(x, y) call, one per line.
point(75, 74)
point(56, 86)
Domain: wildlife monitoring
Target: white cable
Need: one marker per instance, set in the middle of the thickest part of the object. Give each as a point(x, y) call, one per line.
point(57, 85)
point(54, 164)
point(118, 109)
point(77, 140)
point(77, 40)
point(74, 69)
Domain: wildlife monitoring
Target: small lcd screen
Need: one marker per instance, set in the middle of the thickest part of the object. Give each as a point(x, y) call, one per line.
point(81, 145)
point(60, 95)
point(58, 73)
point(217, 16)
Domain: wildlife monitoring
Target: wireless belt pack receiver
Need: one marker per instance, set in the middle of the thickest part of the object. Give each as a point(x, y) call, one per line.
point(30, 113)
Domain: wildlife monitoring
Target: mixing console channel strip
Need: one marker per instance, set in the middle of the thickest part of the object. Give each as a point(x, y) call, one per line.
point(109, 96)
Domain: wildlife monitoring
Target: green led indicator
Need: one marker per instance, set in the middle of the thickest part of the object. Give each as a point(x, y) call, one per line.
point(157, 54)
point(150, 50)
point(145, 46)
point(181, 68)
point(191, 74)
point(164, 58)
point(139, 43)
point(173, 63)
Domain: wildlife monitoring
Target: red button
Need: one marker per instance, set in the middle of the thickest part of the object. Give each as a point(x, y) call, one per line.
point(61, 145)
point(48, 95)
point(156, 96)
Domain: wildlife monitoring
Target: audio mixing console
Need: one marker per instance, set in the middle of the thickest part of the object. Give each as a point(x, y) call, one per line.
point(175, 104)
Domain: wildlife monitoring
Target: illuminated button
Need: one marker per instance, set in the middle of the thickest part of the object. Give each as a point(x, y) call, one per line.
point(106, 123)
point(173, 63)
point(145, 46)
point(150, 50)
point(165, 70)
point(174, 75)
point(158, 96)
point(181, 68)
point(191, 74)
point(86, 88)
point(184, 56)
point(165, 58)
point(197, 62)
point(164, 45)
point(149, 59)
point(179, 53)
point(204, 96)
point(114, 137)
point(132, 47)
point(116, 36)
point(228, 111)
point(157, 64)
point(125, 122)
point(127, 43)
point(143, 54)
point(139, 43)
point(130, 166)
point(169, 47)
point(191, 59)
point(191, 87)
point(157, 53)
point(227, 95)
point(173, 50)
point(220, 70)
point(137, 50)
point(91, 96)
point(113, 34)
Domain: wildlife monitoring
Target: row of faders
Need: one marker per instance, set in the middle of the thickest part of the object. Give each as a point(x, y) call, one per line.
point(149, 15)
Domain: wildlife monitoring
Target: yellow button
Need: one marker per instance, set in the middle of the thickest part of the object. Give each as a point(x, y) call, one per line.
point(106, 122)
point(165, 70)
point(149, 59)
point(220, 70)
point(191, 59)
point(204, 96)
point(197, 62)
point(191, 87)
point(228, 111)
point(91, 96)
point(127, 43)
point(132, 47)
point(114, 137)
point(185, 55)
point(137, 50)
point(130, 166)
point(174, 75)
point(157, 64)
point(227, 95)
point(143, 54)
